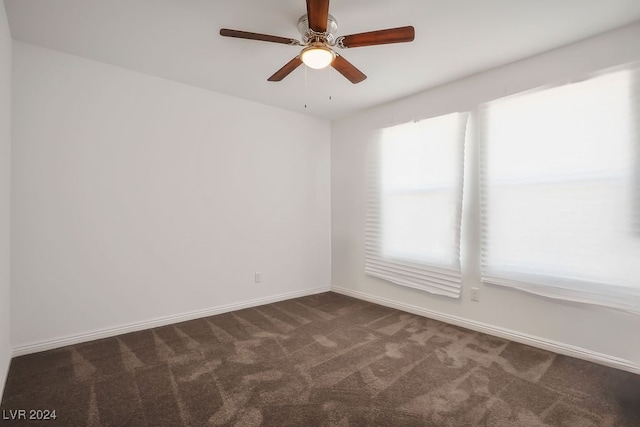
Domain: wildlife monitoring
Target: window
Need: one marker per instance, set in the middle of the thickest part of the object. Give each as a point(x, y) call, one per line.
point(414, 206)
point(559, 201)
point(559, 191)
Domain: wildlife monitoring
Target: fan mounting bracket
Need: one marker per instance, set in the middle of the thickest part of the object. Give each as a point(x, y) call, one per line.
point(309, 36)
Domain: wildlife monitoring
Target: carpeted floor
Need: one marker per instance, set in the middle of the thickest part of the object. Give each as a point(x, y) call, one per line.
point(324, 360)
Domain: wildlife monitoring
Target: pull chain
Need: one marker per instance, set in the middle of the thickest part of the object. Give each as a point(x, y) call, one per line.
point(305, 86)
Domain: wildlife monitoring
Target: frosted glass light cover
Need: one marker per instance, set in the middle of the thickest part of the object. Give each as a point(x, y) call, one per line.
point(317, 57)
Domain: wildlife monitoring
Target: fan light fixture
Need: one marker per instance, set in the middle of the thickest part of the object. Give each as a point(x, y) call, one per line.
point(317, 56)
point(318, 31)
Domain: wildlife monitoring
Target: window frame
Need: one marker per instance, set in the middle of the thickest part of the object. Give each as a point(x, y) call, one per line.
point(594, 292)
point(433, 278)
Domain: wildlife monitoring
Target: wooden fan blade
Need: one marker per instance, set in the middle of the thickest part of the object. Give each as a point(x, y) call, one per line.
point(256, 36)
point(348, 70)
point(286, 70)
point(318, 14)
point(371, 38)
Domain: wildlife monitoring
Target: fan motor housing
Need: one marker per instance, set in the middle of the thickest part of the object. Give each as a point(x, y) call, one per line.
point(307, 33)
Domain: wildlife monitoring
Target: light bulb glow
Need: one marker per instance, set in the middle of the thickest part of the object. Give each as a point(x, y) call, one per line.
point(317, 56)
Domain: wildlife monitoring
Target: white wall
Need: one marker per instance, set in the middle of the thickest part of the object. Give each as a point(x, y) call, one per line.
point(137, 198)
point(5, 178)
point(589, 331)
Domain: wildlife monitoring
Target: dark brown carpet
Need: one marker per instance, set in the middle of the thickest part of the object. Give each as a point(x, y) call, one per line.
point(324, 360)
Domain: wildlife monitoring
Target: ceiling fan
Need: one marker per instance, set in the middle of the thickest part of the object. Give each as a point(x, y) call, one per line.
point(318, 29)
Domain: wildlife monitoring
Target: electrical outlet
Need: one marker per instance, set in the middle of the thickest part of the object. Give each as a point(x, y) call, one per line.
point(258, 277)
point(475, 294)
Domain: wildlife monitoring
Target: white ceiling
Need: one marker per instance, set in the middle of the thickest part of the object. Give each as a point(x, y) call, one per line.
point(178, 40)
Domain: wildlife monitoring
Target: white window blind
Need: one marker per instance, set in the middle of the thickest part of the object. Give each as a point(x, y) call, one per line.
point(560, 191)
point(414, 204)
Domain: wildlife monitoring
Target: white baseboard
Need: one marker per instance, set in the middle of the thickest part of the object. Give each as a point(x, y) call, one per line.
point(4, 371)
point(545, 344)
point(162, 321)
